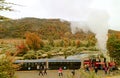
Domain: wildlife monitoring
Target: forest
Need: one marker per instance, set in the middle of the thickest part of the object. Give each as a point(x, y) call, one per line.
point(39, 38)
point(46, 28)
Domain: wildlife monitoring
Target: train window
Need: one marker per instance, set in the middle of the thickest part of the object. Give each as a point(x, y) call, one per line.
point(25, 64)
point(32, 64)
point(57, 64)
point(29, 64)
point(60, 62)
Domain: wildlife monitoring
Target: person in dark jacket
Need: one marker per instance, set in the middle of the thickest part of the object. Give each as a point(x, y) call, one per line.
point(45, 70)
point(73, 72)
point(41, 70)
point(96, 69)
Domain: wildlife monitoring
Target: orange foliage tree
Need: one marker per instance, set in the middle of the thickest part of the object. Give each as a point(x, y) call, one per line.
point(78, 43)
point(33, 41)
point(21, 49)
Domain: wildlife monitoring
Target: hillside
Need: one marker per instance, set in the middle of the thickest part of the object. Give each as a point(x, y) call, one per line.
point(46, 28)
point(3, 18)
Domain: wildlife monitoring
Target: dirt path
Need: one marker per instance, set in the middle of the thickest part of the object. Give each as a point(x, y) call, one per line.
point(51, 74)
point(54, 74)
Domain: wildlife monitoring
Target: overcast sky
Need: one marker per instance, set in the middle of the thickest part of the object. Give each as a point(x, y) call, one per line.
point(71, 10)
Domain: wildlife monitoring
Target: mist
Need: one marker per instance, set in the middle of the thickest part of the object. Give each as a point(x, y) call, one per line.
point(78, 26)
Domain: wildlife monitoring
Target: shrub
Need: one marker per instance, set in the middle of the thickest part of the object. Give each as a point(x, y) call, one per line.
point(91, 74)
point(78, 43)
point(46, 48)
point(22, 49)
point(30, 55)
point(7, 68)
point(49, 55)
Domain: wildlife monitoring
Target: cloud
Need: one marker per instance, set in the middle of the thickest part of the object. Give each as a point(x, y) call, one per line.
point(75, 10)
point(67, 9)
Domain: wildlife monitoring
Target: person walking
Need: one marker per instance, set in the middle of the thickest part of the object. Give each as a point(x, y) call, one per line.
point(96, 69)
point(38, 67)
point(60, 73)
point(45, 70)
point(41, 70)
point(105, 69)
point(73, 72)
point(87, 68)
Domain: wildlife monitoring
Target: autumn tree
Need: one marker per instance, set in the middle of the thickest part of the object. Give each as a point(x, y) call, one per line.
point(73, 43)
point(33, 41)
point(113, 46)
point(21, 49)
point(66, 42)
point(67, 35)
point(61, 43)
point(7, 68)
point(78, 43)
point(51, 42)
point(91, 41)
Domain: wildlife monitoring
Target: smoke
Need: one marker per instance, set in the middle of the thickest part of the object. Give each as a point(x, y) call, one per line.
point(97, 22)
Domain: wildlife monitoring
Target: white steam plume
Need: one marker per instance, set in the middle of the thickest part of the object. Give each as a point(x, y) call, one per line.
point(97, 23)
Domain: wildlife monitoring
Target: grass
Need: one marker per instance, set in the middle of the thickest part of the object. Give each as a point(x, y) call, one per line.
point(82, 74)
point(89, 74)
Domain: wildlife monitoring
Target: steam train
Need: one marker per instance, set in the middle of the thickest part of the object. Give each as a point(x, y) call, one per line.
point(100, 65)
point(64, 63)
point(49, 63)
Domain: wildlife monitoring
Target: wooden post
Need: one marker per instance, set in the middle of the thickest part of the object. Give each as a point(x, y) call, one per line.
point(47, 65)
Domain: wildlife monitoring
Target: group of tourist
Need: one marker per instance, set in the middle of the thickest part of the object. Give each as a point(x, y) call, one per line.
point(106, 69)
point(93, 65)
point(42, 69)
point(60, 73)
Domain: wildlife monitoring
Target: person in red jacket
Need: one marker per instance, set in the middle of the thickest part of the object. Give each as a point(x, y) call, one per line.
point(60, 71)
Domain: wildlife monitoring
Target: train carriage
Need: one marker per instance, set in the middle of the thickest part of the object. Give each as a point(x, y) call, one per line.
point(50, 63)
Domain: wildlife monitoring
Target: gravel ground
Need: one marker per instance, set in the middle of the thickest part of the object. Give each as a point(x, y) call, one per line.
point(54, 74)
point(50, 74)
